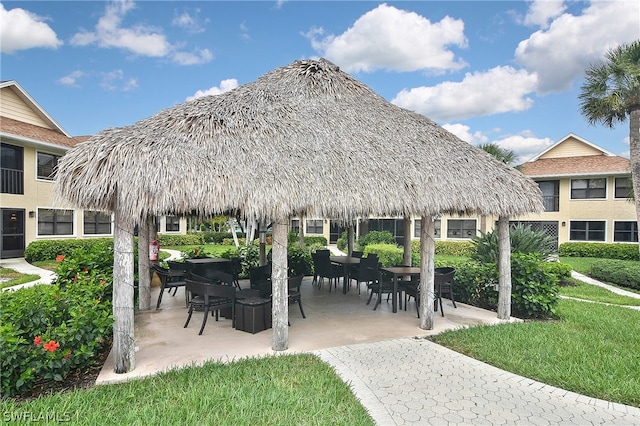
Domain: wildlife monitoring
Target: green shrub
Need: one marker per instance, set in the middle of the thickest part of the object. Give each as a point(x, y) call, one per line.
point(534, 292)
point(209, 237)
point(449, 248)
point(299, 260)
point(561, 271)
point(180, 239)
point(49, 330)
point(600, 250)
point(375, 237)
point(523, 240)
point(388, 254)
point(314, 240)
point(617, 272)
point(342, 242)
point(50, 249)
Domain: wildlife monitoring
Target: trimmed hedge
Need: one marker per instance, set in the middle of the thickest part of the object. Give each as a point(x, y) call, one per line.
point(209, 237)
point(180, 239)
point(388, 254)
point(600, 250)
point(449, 248)
point(49, 249)
point(617, 272)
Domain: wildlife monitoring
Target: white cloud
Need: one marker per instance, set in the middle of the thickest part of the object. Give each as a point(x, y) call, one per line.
point(393, 39)
point(21, 30)
point(139, 39)
point(463, 132)
point(185, 58)
point(562, 52)
point(190, 21)
point(524, 145)
point(116, 81)
point(501, 89)
point(72, 78)
point(542, 11)
point(225, 86)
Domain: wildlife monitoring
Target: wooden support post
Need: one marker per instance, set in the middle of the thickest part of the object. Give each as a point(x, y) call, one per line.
point(144, 278)
point(350, 239)
point(427, 253)
point(301, 232)
point(504, 262)
point(123, 312)
point(263, 244)
point(280, 287)
point(406, 255)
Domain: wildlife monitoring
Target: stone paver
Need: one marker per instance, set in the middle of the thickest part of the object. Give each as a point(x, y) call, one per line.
point(438, 380)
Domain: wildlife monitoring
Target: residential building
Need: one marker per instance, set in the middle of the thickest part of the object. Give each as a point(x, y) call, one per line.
point(585, 191)
point(32, 143)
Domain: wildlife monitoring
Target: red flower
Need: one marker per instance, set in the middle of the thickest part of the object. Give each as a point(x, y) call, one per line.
point(51, 346)
point(60, 258)
point(37, 340)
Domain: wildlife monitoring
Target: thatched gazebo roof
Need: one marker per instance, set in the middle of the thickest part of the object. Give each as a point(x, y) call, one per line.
point(302, 139)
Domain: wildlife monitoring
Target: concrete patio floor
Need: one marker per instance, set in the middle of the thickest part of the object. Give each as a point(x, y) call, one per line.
point(332, 319)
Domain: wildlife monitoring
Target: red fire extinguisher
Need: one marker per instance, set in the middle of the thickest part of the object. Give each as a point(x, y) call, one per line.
point(154, 248)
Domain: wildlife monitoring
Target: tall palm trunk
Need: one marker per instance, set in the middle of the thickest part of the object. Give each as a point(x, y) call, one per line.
point(634, 145)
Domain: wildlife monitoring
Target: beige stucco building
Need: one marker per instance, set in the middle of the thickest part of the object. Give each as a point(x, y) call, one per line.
point(585, 189)
point(32, 143)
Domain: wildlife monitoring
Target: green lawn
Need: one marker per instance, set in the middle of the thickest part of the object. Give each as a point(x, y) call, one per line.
point(582, 290)
point(277, 390)
point(11, 277)
point(592, 349)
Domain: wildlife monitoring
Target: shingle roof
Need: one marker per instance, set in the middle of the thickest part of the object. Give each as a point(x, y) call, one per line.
point(591, 164)
point(31, 131)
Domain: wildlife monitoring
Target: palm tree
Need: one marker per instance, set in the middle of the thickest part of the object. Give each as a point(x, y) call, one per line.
point(505, 155)
point(611, 93)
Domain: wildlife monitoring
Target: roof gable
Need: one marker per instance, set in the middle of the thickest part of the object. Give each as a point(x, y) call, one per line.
point(571, 146)
point(17, 104)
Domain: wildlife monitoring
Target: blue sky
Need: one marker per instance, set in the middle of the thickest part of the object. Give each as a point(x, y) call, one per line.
point(505, 72)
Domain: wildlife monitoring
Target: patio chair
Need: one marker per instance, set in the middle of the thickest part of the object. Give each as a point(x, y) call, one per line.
point(294, 292)
point(210, 298)
point(260, 279)
point(382, 285)
point(443, 283)
point(168, 280)
point(365, 272)
point(178, 267)
point(325, 269)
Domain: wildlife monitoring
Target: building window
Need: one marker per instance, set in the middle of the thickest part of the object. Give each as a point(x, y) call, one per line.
point(587, 230)
point(625, 232)
point(550, 195)
point(12, 169)
point(294, 226)
point(417, 228)
point(47, 165)
point(582, 189)
point(458, 228)
point(55, 222)
point(315, 226)
point(172, 224)
point(97, 223)
point(623, 188)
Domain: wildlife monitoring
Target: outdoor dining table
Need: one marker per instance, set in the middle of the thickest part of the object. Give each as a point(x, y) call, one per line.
point(400, 271)
point(346, 262)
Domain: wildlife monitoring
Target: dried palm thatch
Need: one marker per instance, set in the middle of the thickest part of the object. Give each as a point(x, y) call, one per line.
point(302, 139)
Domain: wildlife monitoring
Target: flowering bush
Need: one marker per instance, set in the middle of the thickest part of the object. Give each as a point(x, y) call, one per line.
point(47, 331)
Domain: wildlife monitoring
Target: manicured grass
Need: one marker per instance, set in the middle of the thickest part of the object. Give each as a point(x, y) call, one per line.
point(582, 290)
point(277, 390)
point(14, 277)
point(49, 265)
point(579, 264)
point(592, 349)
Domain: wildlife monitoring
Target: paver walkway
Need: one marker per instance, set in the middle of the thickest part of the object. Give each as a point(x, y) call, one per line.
point(417, 382)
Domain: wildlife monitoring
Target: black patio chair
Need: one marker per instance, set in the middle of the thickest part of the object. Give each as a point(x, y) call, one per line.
point(168, 280)
point(294, 292)
point(260, 279)
point(442, 284)
point(382, 285)
point(365, 272)
point(210, 298)
point(323, 268)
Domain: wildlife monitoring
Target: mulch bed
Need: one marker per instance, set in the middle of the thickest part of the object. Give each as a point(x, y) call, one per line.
point(83, 378)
